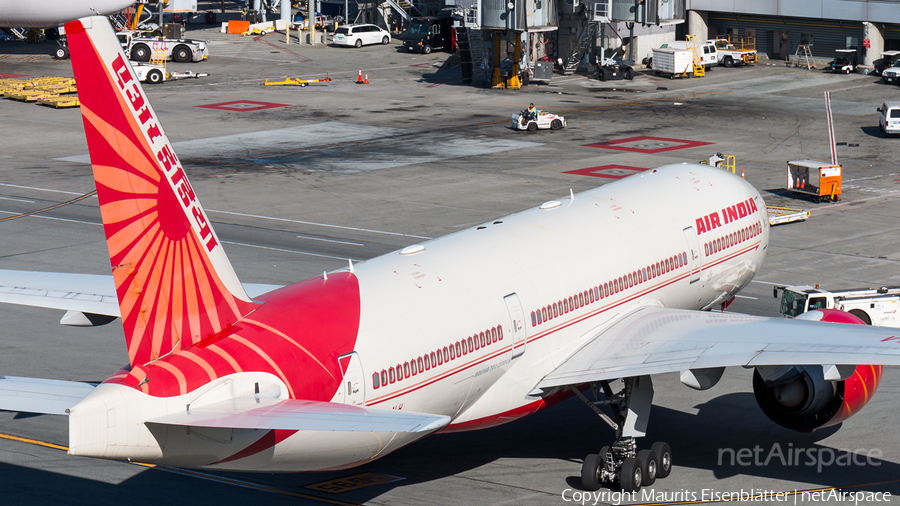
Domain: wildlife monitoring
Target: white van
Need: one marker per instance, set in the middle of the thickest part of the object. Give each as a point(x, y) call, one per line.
point(706, 50)
point(889, 118)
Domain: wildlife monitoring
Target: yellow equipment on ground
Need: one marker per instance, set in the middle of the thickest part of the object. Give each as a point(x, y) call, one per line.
point(291, 81)
point(693, 46)
point(719, 160)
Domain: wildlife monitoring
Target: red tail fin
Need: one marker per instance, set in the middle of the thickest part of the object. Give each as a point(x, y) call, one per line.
point(175, 284)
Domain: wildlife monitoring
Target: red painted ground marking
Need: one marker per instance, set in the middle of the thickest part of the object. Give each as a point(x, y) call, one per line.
point(4, 75)
point(242, 105)
point(662, 144)
point(610, 171)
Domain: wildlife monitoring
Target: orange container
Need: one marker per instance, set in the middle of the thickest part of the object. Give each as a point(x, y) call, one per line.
point(238, 27)
point(820, 180)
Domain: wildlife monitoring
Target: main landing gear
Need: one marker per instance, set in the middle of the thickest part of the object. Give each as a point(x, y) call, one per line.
point(623, 463)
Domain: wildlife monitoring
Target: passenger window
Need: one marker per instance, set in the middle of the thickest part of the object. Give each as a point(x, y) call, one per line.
point(433, 362)
point(580, 299)
point(571, 304)
point(470, 344)
point(440, 358)
point(406, 369)
point(555, 312)
point(566, 305)
point(494, 335)
point(544, 313)
point(375, 380)
point(591, 294)
point(391, 374)
point(539, 317)
point(533, 319)
point(458, 349)
point(452, 352)
point(446, 354)
point(420, 364)
point(427, 362)
point(481, 338)
point(384, 378)
point(596, 293)
point(399, 372)
point(500, 333)
point(477, 346)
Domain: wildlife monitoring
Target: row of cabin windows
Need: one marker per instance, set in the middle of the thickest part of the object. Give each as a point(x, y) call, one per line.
point(733, 239)
point(591, 295)
point(438, 357)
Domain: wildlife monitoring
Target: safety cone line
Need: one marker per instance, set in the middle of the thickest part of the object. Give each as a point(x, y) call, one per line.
point(359, 79)
point(367, 79)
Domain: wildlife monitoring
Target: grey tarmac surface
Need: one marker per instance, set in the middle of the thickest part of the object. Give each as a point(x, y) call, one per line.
point(352, 171)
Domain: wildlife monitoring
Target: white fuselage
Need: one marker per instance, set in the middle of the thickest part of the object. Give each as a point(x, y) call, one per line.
point(51, 13)
point(514, 278)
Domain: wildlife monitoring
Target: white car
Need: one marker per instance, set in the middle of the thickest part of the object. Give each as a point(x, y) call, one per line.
point(891, 75)
point(544, 121)
point(360, 35)
point(889, 118)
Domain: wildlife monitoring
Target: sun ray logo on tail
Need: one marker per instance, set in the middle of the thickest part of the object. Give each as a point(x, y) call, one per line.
point(174, 282)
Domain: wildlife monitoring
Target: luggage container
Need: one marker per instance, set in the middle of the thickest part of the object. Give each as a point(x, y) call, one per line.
point(820, 180)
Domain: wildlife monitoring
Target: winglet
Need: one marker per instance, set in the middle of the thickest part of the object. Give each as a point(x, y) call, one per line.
point(174, 282)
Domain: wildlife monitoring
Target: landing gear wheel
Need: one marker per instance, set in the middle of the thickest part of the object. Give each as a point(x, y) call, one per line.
point(631, 475)
point(555, 124)
point(590, 471)
point(62, 53)
point(426, 49)
point(649, 466)
point(663, 459)
point(532, 126)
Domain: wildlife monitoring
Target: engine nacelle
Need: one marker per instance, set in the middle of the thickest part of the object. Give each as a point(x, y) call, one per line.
point(800, 398)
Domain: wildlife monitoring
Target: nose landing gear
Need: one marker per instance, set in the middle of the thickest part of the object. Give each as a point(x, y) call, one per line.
point(622, 463)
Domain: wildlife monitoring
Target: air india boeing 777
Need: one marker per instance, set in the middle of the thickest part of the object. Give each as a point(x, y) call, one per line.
point(598, 291)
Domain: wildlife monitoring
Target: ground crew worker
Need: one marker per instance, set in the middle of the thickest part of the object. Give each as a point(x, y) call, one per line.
point(532, 111)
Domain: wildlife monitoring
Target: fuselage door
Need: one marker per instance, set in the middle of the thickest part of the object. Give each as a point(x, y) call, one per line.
point(694, 259)
point(353, 385)
point(516, 323)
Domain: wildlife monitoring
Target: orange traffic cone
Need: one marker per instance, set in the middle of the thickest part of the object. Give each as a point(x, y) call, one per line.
point(359, 79)
point(367, 78)
point(742, 172)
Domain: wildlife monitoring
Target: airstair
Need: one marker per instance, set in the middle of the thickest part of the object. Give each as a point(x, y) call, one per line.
point(471, 56)
point(582, 44)
point(693, 47)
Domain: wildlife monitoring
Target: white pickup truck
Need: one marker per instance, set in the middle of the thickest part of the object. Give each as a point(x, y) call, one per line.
point(180, 50)
point(730, 54)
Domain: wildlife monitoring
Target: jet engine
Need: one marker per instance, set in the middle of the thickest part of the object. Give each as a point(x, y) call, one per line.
point(809, 397)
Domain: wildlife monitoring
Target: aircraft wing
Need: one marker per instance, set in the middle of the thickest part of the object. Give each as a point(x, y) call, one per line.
point(32, 395)
point(83, 293)
point(261, 412)
point(653, 340)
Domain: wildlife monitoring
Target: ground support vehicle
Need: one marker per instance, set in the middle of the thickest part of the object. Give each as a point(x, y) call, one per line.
point(428, 33)
point(706, 51)
point(874, 306)
point(820, 180)
point(672, 62)
point(614, 71)
point(543, 121)
point(729, 54)
point(889, 118)
point(782, 215)
point(180, 50)
point(155, 74)
point(845, 61)
point(887, 60)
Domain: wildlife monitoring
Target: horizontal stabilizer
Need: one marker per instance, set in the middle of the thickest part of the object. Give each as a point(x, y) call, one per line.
point(84, 293)
point(33, 395)
point(260, 412)
point(653, 340)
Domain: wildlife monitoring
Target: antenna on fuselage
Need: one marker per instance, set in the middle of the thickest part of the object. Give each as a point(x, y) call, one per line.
point(571, 196)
